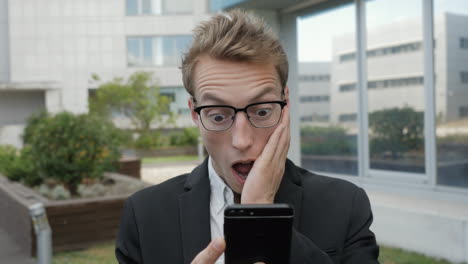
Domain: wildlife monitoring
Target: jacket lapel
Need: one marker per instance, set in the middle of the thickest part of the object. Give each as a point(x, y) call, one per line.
point(290, 191)
point(194, 206)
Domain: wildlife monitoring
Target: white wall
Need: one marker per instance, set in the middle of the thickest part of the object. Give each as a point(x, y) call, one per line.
point(67, 41)
point(4, 42)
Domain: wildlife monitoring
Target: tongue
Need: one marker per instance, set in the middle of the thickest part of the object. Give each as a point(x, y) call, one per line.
point(243, 168)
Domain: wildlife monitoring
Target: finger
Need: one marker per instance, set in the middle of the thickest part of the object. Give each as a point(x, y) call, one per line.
point(273, 143)
point(285, 119)
point(284, 140)
point(211, 253)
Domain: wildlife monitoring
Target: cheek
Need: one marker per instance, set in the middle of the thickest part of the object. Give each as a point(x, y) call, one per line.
point(263, 136)
point(214, 141)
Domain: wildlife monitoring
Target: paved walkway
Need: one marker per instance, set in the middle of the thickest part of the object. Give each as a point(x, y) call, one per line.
point(157, 173)
point(10, 253)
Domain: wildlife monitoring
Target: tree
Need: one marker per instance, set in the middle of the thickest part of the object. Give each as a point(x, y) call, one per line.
point(396, 130)
point(138, 99)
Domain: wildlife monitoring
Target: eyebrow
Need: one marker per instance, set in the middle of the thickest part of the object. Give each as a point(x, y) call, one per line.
point(216, 99)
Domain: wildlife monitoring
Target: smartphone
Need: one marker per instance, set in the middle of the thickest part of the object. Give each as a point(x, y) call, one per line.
point(258, 233)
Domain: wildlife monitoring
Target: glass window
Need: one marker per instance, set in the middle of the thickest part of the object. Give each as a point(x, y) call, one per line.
point(451, 68)
point(156, 51)
point(159, 7)
point(132, 7)
point(146, 7)
point(133, 51)
point(464, 43)
point(147, 51)
point(395, 94)
point(464, 77)
point(327, 115)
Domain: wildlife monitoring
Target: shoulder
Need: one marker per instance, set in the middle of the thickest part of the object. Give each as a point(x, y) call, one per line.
point(164, 191)
point(329, 189)
point(313, 180)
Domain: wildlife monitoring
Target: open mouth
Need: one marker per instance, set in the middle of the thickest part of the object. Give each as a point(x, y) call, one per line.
point(242, 169)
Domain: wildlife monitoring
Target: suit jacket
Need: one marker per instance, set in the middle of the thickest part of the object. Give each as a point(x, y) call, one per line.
point(170, 222)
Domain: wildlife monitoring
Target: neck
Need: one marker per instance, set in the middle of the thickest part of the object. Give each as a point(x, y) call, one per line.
point(237, 198)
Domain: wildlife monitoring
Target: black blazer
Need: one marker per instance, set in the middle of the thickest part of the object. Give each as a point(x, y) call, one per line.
point(170, 222)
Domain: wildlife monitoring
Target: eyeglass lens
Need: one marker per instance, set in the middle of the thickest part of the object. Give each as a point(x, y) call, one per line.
point(260, 115)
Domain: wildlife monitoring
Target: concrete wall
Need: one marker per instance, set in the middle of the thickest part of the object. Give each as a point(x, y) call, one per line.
point(432, 227)
point(67, 41)
point(19, 105)
point(4, 42)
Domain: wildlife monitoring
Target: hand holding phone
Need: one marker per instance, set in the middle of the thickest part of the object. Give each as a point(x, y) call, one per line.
point(258, 233)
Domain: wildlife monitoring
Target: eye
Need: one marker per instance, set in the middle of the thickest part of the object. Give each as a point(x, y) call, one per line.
point(263, 112)
point(217, 118)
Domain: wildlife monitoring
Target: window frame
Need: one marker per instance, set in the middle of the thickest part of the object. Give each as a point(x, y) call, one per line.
point(140, 11)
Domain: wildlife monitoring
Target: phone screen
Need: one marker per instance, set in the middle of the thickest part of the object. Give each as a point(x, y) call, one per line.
point(258, 233)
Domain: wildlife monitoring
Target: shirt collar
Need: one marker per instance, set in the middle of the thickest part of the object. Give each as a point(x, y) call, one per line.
point(221, 194)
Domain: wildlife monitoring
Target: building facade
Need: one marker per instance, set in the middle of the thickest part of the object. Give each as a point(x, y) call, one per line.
point(395, 69)
point(49, 50)
point(314, 92)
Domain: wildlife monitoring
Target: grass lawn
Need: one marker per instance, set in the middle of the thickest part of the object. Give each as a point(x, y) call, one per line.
point(169, 159)
point(104, 254)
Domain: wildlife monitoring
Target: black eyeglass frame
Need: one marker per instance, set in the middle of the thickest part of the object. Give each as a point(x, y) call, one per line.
point(236, 110)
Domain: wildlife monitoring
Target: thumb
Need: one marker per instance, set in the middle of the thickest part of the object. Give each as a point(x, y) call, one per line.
point(211, 253)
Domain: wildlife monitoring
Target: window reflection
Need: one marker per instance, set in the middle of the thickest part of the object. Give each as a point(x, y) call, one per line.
point(451, 84)
point(328, 117)
point(395, 84)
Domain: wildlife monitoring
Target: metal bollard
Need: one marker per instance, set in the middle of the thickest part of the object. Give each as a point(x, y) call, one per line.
point(43, 233)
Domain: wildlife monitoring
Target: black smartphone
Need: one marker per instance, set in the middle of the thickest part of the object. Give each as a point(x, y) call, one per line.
point(258, 233)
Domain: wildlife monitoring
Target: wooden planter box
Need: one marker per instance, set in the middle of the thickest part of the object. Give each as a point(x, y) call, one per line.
point(75, 223)
point(162, 152)
point(130, 167)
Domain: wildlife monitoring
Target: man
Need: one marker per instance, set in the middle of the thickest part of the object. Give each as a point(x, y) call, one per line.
point(236, 73)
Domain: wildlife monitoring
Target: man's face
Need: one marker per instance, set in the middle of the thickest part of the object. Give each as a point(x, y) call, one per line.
point(237, 84)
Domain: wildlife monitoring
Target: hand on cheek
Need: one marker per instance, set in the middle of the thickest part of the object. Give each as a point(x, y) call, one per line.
point(266, 174)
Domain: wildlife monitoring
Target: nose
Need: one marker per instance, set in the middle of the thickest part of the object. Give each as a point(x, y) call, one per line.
point(242, 132)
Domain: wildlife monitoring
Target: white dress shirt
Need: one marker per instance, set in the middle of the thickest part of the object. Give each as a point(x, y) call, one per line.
point(221, 196)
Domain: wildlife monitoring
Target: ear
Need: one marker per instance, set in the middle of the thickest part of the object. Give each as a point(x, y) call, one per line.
point(193, 114)
point(286, 94)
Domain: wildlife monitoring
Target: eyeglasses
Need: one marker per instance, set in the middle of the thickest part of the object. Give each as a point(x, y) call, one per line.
point(221, 117)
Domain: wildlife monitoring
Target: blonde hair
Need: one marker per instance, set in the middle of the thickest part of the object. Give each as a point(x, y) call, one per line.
point(235, 36)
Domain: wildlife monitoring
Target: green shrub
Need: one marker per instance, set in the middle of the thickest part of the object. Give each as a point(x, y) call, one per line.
point(460, 139)
point(188, 137)
point(8, 157)
point(151, 140)
point(331, 140)
point(69, 148)
point(31, 124)
point(18, 165)
point(396, 130)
